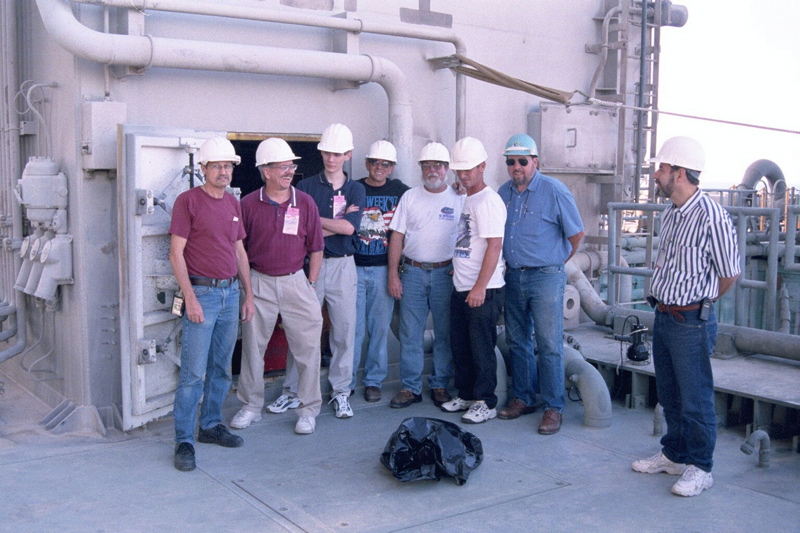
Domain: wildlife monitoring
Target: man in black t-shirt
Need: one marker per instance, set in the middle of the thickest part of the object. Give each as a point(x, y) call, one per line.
point(374, 303)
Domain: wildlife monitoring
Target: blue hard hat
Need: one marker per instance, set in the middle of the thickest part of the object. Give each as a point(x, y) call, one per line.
point(521, 144)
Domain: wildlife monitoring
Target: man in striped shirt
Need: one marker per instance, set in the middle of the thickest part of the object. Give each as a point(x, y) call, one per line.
point(698, 262)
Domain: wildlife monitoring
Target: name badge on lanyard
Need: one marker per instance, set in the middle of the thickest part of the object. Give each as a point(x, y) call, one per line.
point(339, 205)
point(291, 220)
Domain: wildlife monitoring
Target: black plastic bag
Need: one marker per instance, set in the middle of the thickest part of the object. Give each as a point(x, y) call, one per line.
point(428, 448)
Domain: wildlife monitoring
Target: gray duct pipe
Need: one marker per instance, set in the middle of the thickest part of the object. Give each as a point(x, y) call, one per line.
point(592, 387)
point(746, 340)
point(9, 156)
point(748, 447)
point(764, 168)
point(286, 17)
point(658, 420)
point(143, 52)
point(591, 303)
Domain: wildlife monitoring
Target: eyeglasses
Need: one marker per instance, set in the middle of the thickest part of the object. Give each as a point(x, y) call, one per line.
point(522, 162)
point(521, 211)
point(216, 167)
point(378, 163)
point(284, 168)
point(433, 166)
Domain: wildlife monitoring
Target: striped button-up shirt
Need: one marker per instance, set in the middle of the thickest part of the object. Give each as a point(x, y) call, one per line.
point(697, 247)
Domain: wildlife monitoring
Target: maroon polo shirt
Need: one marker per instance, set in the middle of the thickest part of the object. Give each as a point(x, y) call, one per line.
point(269, 249)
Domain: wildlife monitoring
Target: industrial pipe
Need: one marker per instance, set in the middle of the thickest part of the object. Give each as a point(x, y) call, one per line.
point(353, 25)
point(10, 169)
point(748, 447)
point(148, 51)
point(745, 340)
point(592, 387)
point(658, 420)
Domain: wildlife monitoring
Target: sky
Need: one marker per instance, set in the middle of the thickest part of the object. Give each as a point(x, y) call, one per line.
point(736, 60)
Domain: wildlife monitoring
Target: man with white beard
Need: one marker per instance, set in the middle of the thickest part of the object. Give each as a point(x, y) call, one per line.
point(424, 231)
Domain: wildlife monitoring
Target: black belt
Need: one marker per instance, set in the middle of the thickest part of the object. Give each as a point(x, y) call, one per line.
point(427, 266)
point(211, 282)
point(331, 256)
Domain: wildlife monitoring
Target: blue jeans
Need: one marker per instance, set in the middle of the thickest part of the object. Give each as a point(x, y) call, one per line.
point(535, 305)
point(206, 349)
point(425, 291)
point(374, 307)
point(473, 336)
point(685, 386)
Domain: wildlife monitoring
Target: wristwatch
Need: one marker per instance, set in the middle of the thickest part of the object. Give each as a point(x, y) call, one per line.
point(313, 284)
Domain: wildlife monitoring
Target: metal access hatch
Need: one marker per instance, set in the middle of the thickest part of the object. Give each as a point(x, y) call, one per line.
point(153, 170)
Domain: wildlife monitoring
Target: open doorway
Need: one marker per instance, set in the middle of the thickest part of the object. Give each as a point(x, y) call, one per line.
point(247, 179)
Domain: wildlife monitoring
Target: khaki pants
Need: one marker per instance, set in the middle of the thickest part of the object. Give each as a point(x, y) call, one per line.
point(294, 299)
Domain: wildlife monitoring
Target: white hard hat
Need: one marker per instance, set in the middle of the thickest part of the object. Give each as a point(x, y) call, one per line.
point(337, 139)
point(434, 152)
point(682, 152)
point(468, 153)
point(217, 149)
point(382, 150)
point(273, 150)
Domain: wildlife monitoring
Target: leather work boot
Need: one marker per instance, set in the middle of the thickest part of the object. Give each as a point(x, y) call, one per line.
point(515, 409)
point(372, 394)
point(440, 396)
point(404, 398)
point(551, 422)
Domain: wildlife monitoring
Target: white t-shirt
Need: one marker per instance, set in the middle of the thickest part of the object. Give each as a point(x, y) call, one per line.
point(429, 222)
point(483, 217)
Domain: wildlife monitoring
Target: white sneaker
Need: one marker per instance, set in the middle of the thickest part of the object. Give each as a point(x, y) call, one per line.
point(693, 482)
point(244, 418)
point(305, 425)
point(342, 406)
point(284, 402)
point(479, 412)
point(658, 463)
point(455, 405)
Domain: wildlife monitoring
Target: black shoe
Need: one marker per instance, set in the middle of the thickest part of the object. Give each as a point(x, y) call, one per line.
point(404, 398)
point(219, 434)
point(184, 457)
point(372, 394)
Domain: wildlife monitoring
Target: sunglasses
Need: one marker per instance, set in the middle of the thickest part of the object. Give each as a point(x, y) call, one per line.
point(377, 163)
point(433, 166)
point(522, 162)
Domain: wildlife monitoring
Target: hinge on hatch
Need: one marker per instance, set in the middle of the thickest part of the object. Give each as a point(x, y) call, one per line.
point(144, 202)
point(147, 351)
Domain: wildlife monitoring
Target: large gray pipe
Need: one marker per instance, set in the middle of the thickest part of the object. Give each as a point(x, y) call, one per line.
point(764, 168)
point(592, 387)
point(298, 18)
point(748, 447)
point(9, 155)
point(147, 51)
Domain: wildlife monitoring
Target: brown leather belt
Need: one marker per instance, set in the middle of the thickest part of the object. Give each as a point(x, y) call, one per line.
point(427, 266)
point(676, 310)
point(211, 282)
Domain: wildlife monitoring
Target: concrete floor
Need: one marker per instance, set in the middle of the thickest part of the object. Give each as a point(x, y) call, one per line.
point(577, 480)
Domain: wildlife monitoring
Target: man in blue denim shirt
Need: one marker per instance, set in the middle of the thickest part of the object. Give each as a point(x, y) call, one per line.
point(697, 262)
point(207, 256)
point(543, 230)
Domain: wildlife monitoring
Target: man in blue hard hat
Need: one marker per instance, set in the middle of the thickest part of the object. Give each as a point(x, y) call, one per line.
point(543, 230)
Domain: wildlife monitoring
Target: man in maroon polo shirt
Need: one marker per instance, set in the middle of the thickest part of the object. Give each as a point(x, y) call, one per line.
point(283, 226)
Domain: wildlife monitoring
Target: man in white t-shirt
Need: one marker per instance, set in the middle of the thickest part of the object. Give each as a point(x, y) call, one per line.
point(477, 300)
point(424, 230)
